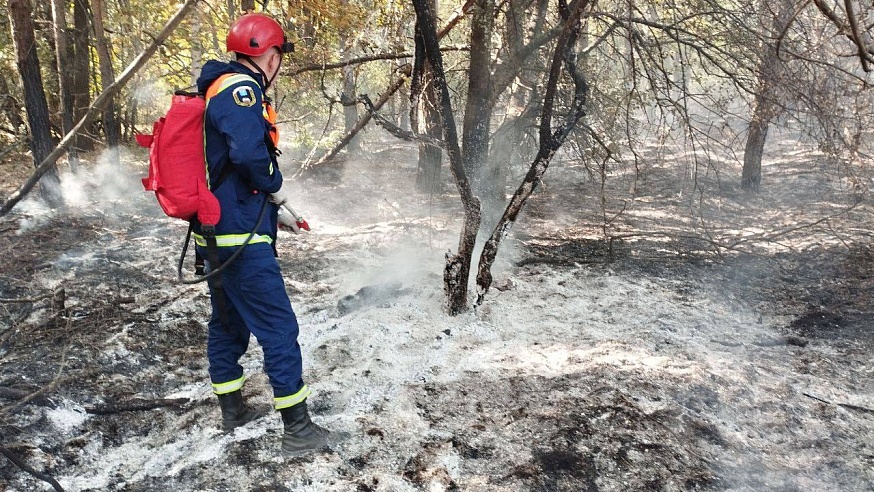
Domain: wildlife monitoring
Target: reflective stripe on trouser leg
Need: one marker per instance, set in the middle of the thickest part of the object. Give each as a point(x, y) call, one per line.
point(229, 387)
point(254, 286)
point(281, 402)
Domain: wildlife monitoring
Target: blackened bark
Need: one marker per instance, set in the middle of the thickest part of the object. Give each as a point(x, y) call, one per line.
point(111, 125)
point(35, 104)
point(65, 77)
point(457, 270)
point(80, 68)
point(478, 110)
point(550, 140)
point(424, 101)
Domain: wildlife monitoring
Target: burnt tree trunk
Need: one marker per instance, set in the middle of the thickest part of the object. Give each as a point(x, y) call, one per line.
point(80, 68)
point(765, 107)
point(65, 76)
point(35, 104)
point(457, 270)
point(111, 125)
point(478, 110)
point(426, 118)
point(550, 140)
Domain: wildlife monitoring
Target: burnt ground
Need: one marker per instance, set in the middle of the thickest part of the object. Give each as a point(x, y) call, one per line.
point(722, 342)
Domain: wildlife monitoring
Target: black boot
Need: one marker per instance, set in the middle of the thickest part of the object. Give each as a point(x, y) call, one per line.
point(235, 412)
point(301, 436)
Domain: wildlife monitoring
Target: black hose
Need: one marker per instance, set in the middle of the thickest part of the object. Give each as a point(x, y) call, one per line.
point(229, 260)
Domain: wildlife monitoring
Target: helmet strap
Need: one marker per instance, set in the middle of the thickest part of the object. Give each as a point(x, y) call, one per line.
point(267, 81)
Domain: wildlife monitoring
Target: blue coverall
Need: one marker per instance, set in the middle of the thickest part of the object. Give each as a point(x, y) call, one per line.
point(241, 172)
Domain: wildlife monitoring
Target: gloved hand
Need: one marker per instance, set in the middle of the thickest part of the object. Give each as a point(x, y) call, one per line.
point(287, 220)
point(281, 196)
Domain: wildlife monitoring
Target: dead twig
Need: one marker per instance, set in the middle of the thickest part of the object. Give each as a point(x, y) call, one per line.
point(24, 466)
point(24, 300)
point(49, 387)
point(136, 405)
point(8, 393)
point(845, 405)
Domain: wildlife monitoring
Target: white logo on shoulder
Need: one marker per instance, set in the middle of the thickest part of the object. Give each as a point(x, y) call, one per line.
point(244, 96)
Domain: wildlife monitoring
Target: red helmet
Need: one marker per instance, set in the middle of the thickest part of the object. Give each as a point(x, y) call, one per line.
point(254, 34)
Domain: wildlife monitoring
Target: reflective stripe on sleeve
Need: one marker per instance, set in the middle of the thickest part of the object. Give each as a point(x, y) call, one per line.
point(291, 400)
point(228, 240)
point(229, 387)
point(231, 80)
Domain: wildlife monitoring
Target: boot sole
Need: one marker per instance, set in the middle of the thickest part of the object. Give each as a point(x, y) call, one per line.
point(300, 453)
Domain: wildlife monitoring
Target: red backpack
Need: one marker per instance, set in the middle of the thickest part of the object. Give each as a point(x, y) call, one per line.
point(177, 166)
point(177, 171)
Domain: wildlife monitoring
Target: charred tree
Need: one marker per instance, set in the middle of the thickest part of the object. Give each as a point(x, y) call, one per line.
point(550, 140)
point(457, 268)
point(111, 125)
point(765, 107)
point(80, 68)
point(35, 104)
point(65, 76)
point(478, 109)
point(425, 118)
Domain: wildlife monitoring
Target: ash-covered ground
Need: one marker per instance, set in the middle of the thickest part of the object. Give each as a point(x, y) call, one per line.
point(711, 340)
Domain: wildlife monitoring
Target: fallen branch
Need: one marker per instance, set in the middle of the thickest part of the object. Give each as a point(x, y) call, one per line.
point(38, 474)
point(845, 405)
point(24, 300)
point(7, 393)
point(96, 107)
point(136, 405)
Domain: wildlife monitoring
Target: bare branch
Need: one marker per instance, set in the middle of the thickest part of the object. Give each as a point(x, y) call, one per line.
point(24, 466)
point(315, 67)
point(395, 130)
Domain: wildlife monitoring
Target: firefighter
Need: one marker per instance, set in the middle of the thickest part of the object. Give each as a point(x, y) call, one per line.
point(249, 296)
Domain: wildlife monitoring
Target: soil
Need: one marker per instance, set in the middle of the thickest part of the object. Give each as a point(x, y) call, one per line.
point(699, 338)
